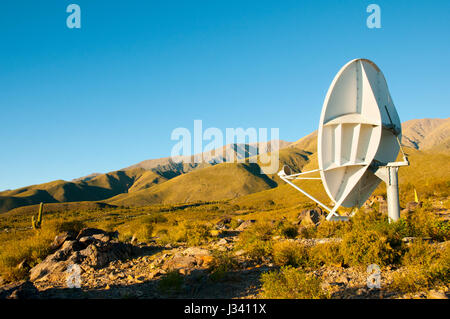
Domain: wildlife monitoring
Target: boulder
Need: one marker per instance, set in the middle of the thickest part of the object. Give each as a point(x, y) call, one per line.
point(93, 248)
point(223, 223)
point(246, 224)
point(179, 261)
point(310, 217)
point(90, 232)
point(60, 239)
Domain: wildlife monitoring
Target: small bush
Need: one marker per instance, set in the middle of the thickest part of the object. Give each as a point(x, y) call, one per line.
point(366, 247)
point(196, 234)
point(290, 254)
point(288, 231)
point(222, 264)
point(326, 254)
point(171, 282)
point(331, 229)
point(424, 266)
point(139, 228)
point(255, 240)
point(291, 283)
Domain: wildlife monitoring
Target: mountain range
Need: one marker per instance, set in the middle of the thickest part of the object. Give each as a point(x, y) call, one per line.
point(163, 181)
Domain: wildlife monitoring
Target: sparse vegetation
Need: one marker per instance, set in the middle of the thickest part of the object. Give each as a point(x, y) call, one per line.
point(288, 253)
point(255, 240)
point(424, 267)
point(171, 282)
point(277, 238)
point(223, 263)
point(291, 283)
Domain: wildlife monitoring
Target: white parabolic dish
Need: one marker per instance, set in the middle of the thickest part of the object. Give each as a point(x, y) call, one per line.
point(358, 126)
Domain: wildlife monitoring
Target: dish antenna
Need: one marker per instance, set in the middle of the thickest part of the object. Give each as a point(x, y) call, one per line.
point(358, 141)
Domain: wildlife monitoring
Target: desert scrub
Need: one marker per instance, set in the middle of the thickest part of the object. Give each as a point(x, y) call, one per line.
point(33, 248)
point(172, 282)
point(289, 253)
point(287, 230)
point(256, 240)
point(291, 283)
point(196, 234)
point(325, 254)
point(424, 223)
point(424, 267)
point(363, 247)
point(223, 263)
point(139, 228)
point(331, 229)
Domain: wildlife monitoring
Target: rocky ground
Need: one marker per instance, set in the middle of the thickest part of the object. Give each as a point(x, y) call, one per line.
point(94, 264)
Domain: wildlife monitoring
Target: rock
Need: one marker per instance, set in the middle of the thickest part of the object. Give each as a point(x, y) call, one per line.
point(86, 240)
point(409, 240)
point(222, 242)
point(239, 252)
point(223, 223)
point(412, 206)
point(93, 250)
point(102, 237)
point(24, 290)
point(196, 251)
point(99, 256)
point(310, 217)
point(246, 224)
point(178, 262)
point(22, 266)
point(60, 239)
point(434, 294)
point(90, 232)
point(383, 207)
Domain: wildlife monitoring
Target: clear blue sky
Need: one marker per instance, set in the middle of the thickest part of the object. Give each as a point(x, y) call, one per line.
point(108, 95)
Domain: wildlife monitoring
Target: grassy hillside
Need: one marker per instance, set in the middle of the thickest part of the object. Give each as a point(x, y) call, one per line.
point(222, 181)
point(99, 188)
point(164, 181)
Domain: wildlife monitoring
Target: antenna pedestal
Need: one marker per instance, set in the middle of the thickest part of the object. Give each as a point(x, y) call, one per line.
point(392, 194)
point(389, 175)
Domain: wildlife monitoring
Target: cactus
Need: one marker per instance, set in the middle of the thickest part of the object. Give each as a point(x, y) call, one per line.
point(37, 223)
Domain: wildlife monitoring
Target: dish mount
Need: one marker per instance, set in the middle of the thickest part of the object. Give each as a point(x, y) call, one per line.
point(358, 141)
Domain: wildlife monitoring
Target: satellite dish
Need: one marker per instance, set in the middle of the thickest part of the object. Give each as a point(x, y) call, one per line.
point(358, 139)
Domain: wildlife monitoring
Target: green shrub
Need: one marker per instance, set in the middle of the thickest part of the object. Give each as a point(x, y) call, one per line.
point(222, 264)
point(326, 254)
point(366, 247)
point(291, 283)
point(424, 223)
point(424, 267)
point(256, 240)
point(288, 231)
point(138, 228)
point(331, 229)
point(171, 282)
point(290, 254)
point(196, 234)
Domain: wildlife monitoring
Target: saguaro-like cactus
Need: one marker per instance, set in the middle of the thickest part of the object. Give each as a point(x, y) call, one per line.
point(37, 223)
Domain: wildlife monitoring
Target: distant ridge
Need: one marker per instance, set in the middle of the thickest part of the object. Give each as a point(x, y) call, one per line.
point(425, 134)
point(165, 181)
